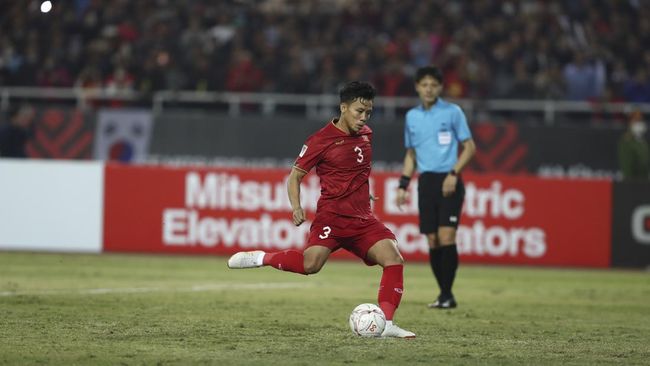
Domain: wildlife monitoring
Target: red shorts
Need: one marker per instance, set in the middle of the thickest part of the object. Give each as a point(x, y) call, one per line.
point(350, 233)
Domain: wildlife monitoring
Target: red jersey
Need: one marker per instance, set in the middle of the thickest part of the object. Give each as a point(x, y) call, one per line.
point(342, 163)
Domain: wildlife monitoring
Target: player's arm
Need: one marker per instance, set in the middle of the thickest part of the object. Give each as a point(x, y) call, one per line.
point(293, 189)
point(407, 173)
point(449, 185)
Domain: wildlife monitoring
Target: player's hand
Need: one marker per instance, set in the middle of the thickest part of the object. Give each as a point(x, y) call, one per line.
point(449, 185)
point(298, 216)
point(402, 196)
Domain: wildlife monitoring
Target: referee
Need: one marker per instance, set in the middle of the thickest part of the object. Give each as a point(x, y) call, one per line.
point(432, 133)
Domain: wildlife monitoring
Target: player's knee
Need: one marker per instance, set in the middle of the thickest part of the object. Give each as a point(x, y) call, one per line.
point(312, 266)
point(393, 261)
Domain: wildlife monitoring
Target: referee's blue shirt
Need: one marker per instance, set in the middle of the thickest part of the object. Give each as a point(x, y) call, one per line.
point(434, 134)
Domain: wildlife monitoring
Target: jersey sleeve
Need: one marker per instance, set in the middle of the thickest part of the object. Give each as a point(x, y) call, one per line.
point(460, 125)
point(310, 154)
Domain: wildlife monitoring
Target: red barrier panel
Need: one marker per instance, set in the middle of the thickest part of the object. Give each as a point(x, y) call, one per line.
point(506, 220)
point(520, 220)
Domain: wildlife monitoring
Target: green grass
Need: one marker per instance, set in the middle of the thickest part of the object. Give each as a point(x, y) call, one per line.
point(65, 309)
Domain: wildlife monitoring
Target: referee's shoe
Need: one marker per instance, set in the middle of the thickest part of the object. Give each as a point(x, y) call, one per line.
point(443, 303)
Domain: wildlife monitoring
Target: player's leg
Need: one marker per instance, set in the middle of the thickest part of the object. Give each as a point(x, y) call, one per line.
point(308, 262)
point(386, 254)
point(322, 241)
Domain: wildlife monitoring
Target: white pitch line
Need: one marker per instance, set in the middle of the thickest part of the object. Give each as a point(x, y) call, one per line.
point(136, 290)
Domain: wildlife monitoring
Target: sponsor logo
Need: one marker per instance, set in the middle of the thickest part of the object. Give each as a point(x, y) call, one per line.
point(219, 192)
point(183, 227)
point(499, 149)
point(224, 191)
point(641, 224)
point(303, 151)
point(339, 142)
point(453, 219)
point(494, 202)
point(61, 134)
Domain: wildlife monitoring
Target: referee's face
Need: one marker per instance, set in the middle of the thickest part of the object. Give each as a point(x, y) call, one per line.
point(428, 89)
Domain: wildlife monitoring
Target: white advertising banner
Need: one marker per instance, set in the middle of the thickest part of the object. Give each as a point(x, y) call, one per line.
point(51, 205)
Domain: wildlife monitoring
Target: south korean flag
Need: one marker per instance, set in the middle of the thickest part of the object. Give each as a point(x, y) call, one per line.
point(123, 135)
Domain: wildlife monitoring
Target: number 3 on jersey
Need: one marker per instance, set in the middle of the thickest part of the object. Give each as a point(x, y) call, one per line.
point(358, 150)
point(326, 232)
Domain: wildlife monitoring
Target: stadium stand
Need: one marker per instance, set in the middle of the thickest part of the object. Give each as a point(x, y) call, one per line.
point(528, 49)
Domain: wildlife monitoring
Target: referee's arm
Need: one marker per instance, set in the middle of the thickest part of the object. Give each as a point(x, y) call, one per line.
point(449, 184)
point(409, 163)
point(469, 149)
point(407, 173)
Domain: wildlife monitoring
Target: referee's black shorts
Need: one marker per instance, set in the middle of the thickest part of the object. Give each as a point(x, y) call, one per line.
point(436, 210)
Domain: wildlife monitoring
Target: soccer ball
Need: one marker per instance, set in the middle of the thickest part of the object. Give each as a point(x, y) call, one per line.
point(367, 320)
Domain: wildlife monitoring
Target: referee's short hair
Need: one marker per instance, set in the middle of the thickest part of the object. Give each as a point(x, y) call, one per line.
point(432, 71)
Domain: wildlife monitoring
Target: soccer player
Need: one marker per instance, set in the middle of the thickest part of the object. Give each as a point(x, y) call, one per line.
point(341, 153)
point(432, 133)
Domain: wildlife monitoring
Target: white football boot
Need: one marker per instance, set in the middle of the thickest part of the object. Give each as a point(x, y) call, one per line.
point(246, 259)
point(393, 331)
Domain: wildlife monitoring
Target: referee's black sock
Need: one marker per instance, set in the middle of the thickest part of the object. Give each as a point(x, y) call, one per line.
point(449, 265)
point(435, 260)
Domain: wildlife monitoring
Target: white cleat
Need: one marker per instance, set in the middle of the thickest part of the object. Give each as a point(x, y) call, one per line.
point(246, 259)
point(393, 331)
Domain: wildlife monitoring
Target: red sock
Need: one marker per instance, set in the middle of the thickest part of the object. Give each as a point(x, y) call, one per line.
point(287, 260)
point(390, 289)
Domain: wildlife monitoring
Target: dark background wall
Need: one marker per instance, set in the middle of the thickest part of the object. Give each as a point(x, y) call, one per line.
point(573, 151)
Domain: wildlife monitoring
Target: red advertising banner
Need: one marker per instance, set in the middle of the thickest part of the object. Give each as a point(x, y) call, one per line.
point(506, 219)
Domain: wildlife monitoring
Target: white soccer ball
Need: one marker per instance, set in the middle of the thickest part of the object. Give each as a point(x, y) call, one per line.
point(367, 320)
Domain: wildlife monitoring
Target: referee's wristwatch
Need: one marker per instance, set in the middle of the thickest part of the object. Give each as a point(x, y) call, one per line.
point(453, 172)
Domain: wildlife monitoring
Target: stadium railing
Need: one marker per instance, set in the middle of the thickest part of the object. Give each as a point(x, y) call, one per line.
point(312, 105)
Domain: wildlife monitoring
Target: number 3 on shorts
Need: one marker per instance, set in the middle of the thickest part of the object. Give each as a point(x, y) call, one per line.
point(326, 232)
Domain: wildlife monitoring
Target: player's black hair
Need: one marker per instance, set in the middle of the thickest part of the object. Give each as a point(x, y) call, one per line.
point(357, 90)
point(432, 71)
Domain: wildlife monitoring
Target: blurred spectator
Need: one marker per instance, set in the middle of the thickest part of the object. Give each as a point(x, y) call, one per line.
point(633, 151)
point(421, 48)
point(119, 81)
point(583, 77)
point(522, 85)
point(243, 75)
point(637, 88)
point(391, 81)
point(15, 134)
point(53, 74)
point(89, 78)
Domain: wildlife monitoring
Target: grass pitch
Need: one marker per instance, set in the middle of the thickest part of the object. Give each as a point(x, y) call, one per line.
point(63, 309)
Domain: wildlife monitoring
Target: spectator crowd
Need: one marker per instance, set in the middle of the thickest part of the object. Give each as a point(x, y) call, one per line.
point(516, 49)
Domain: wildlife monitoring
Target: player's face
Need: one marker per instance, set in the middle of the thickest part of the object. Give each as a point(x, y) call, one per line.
point(429, 89)
point(355, 115)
